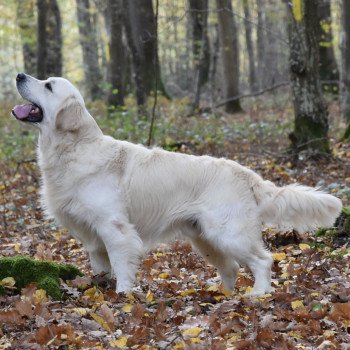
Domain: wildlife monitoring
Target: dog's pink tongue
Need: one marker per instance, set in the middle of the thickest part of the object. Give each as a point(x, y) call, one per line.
point(22, 111)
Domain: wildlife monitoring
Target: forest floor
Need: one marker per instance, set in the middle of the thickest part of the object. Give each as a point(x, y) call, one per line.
point(179, 302)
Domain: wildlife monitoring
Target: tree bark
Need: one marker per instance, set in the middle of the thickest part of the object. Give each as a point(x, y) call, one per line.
point(27, 29)
point(311, 116)
point(329, 72)
point(261, 43)
point(141, 28)
point(345, 61)
point(88, 42)
point(250, 46)
point(116, 52)
point(200, 46)
point(136, 55)
point(229, 53)
point(49, 49)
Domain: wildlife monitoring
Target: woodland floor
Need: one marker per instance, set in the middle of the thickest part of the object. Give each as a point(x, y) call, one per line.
point(180, 303)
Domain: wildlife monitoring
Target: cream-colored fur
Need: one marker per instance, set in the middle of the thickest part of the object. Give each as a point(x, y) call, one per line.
point(120, 199)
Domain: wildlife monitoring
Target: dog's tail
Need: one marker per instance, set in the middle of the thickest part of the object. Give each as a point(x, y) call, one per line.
point(294, 206)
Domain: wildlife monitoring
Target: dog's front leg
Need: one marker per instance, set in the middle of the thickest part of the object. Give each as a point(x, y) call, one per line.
point(124, 248)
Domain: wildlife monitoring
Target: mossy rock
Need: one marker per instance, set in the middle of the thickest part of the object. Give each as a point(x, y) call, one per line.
point(45, 274)
point(340, 233)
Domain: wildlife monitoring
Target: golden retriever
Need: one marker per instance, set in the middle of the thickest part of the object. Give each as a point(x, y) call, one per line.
point(120, 199)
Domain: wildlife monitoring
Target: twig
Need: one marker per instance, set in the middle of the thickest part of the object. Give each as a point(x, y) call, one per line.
point(150, 135)
point(252, 94)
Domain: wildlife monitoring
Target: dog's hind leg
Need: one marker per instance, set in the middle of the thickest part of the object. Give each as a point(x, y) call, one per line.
point(226, 265)
point(239, 239)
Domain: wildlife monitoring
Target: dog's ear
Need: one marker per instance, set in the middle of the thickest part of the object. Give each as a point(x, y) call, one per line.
point(70, 117)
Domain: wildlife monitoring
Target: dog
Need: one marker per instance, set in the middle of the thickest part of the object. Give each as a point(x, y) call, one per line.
point(121, 199)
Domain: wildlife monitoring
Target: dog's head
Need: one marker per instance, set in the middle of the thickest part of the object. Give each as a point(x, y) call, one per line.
point(54, 103)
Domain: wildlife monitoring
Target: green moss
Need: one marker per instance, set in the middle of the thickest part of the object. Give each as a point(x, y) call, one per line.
point(44, 273)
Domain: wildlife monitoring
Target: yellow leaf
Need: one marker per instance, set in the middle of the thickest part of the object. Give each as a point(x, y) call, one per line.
point(7, 282)
point(18, 247)
point(127, 307)
point(233, 339)
point(213, 288)
point(149, 296)
point(187, 292)
point(248, 290)
point(101, 321)
point(94, 295)
point(120, 342)
point(131, 297)
point(196, 340)
point(192, 332)
point(40, 296)
point(296, 304)
point(298, 10)
point(346, 323)
point(304, 246)
point(279, 256)
point(163, 275)
point(295, 335)
point(179, 345)
point(80, 310)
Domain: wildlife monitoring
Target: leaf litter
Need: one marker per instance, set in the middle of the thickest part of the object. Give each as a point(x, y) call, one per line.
point(179, 302)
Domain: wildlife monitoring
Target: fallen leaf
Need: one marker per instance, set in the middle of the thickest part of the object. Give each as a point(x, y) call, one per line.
point(297, 304)
point(279, 256)
point(192, 332)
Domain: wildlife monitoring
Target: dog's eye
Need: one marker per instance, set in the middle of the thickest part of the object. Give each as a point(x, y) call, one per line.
point(48, 86)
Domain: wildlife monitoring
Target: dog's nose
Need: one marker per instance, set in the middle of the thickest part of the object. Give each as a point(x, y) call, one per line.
point(20, 76)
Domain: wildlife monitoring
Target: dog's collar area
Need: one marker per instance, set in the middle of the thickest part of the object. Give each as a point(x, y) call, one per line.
point(28, 113)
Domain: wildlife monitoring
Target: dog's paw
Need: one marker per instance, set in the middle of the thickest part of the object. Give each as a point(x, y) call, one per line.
point(124, 287)
point(256, 293)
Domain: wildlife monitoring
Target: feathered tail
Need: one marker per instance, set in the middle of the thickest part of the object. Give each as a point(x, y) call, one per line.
point(294, 206)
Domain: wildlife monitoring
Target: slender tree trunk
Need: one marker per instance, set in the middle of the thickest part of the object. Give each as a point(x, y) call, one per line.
point(27, 27)
point(116, 50)
point(229, 53)
point(49, 49)
point(88, 42)
point(200, 39)
point(141, 30)
point(345, 65)
point(328, 67)
point(200, 46)
point(261, 34)
point(311, 117)
point(136, 54)
point(250, 46)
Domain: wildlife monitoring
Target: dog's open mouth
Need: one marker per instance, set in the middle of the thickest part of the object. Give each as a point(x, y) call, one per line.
point(28, 113)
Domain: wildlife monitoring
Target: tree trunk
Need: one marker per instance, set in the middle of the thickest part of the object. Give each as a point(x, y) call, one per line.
point(49, 49)
point(345, 65)
point(200, 46)
point(27, 29)
point(229, 54)
point(250, 46)
point(261, 43)
point(311, 117)
point(329, 73)
point(88, 42)
point(116, 51)
point(136, 55)
point(141, 27)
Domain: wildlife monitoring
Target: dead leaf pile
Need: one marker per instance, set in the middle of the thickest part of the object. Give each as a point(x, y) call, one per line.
point(179, 302)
